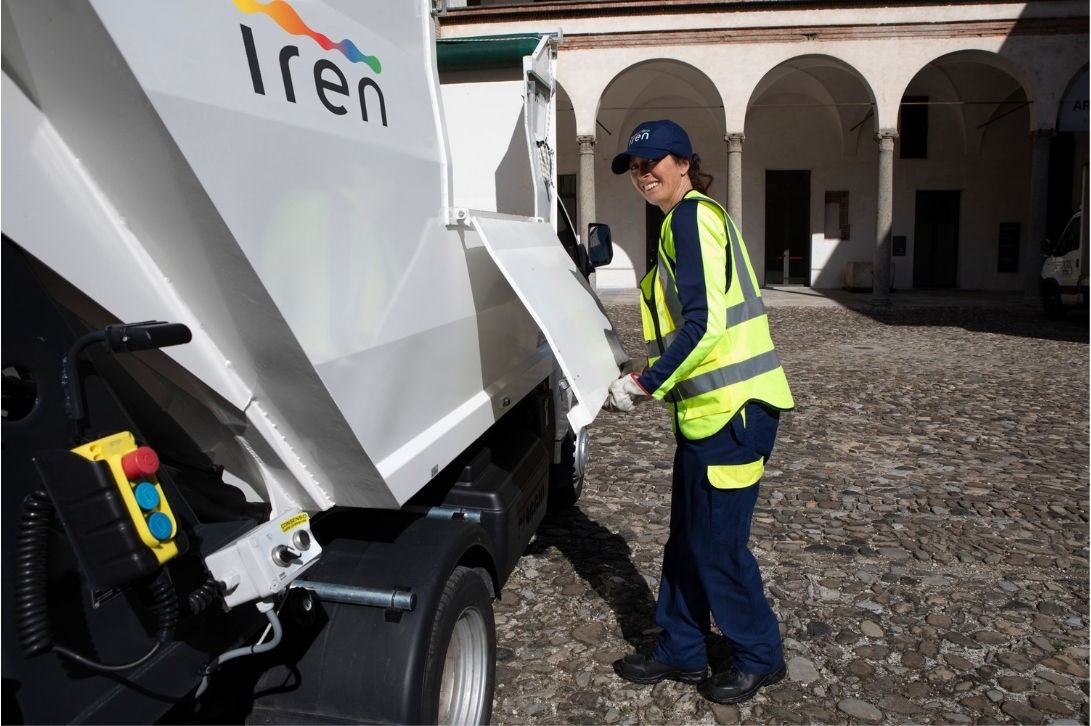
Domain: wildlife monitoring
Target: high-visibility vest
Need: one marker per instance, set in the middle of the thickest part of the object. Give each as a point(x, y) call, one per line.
point(742, 365)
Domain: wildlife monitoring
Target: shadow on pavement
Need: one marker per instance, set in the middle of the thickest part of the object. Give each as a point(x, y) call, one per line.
point(973, 311)
point(603, 559)
point(1021, 321)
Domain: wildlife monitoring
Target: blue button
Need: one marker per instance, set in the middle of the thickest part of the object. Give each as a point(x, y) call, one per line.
point(160, 526)
point(147, 496)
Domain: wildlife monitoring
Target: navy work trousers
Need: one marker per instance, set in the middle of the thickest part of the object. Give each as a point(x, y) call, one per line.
point(707, 564)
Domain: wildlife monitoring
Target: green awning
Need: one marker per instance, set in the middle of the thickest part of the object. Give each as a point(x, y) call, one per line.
point(486, 51)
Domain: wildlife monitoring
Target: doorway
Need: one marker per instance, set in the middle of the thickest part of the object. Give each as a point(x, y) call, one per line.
point(787, 227)
point(935, 239)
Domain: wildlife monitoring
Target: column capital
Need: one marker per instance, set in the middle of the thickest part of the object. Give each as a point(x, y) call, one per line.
point(734, 141)
point(886, 135)
point(586, 144)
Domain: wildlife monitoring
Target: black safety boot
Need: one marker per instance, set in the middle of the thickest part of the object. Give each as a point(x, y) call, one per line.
point(645, 669)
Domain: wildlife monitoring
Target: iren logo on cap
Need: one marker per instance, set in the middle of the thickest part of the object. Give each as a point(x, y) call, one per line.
point(642, 135)
point(330, 81)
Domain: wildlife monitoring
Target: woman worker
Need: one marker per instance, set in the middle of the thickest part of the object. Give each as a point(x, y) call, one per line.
point(711, 360)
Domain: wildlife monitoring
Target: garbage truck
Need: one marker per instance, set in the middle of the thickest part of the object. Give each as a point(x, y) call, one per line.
point(293, 368)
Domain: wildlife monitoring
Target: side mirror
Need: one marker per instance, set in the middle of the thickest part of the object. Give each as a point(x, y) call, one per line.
point(600, 247)
point(1047, 247)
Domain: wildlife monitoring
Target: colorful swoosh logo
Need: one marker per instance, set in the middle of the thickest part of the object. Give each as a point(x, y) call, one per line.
point(287, 18)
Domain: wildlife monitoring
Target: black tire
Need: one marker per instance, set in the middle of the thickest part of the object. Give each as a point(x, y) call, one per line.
point(565, 479)
point(1052, 305)
point(461, 669)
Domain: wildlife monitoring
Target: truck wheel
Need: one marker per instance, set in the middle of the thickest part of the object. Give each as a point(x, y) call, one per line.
point(1052, 305)
point(461, 668)
point(566, 476)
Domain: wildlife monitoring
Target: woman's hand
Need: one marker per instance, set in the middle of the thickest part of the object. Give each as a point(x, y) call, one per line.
point(625, 393)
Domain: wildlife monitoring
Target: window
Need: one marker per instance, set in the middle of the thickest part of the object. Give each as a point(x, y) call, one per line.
point(913, 129)
point(837, 215)
point(1070, 238)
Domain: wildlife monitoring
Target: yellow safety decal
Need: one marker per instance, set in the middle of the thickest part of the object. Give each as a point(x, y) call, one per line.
point(292, 522)
point(736, 476)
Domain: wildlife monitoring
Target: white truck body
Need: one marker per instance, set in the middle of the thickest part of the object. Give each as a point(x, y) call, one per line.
point(330, 284)
point(392, 357)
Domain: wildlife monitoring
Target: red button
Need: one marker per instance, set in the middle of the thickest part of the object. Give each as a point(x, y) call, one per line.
point(142, 462)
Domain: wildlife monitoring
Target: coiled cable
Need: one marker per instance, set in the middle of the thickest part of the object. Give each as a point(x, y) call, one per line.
point(31, 612)
point(31, 604)
point(208, 593)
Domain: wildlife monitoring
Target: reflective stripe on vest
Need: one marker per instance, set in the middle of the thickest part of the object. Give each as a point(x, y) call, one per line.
point(731, 373)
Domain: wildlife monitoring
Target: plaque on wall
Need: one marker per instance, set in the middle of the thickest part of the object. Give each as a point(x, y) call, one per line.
point(1007, 252)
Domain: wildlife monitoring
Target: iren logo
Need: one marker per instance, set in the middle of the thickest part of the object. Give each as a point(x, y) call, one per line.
point(330, 82)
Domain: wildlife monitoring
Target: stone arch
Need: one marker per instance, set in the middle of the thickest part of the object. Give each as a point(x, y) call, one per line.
point(964, 199)
point(810, 117)
point(652, 89)
point(1072, 111)
point(972, 91)
point(827, 85)
point(661, 88)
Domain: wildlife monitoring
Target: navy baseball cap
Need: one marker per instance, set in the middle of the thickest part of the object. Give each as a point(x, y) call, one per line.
point(654, 140)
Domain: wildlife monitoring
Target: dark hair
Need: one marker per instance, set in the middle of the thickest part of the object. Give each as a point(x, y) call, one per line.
point(699, 179)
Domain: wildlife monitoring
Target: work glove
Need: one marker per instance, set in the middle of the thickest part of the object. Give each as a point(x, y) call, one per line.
point(625, 393)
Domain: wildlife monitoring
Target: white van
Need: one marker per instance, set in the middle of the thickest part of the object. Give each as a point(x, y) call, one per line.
point(1063, 283)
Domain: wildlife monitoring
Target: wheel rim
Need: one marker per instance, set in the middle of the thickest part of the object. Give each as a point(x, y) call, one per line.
point(582, 453)
point(465, 671)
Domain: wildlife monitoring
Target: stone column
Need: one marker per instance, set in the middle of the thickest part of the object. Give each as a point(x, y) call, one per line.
point(1030, 257)
point(734, 177)
point(884, 216)
point(585, 183)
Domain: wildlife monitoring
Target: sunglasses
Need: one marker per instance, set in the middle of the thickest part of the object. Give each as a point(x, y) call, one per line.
point(643, 167)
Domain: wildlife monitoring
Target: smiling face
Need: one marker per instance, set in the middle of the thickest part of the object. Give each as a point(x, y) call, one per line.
point(662, 182)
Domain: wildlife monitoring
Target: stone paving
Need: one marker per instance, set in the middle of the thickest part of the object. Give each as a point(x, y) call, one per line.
point(922, 528)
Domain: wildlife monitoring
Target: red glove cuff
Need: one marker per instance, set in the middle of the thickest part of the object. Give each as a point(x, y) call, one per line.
point(636, 380)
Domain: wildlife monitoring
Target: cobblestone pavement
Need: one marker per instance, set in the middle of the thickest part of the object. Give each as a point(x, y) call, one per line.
point(922, 529)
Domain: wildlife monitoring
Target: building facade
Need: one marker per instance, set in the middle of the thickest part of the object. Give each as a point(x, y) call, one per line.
point(867, 145)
